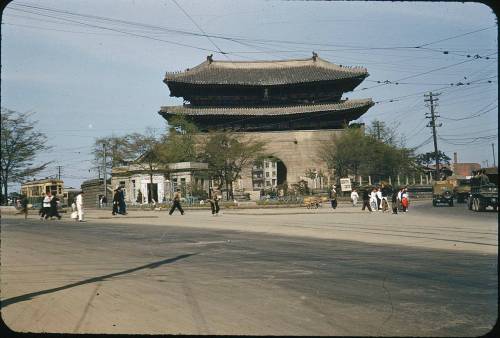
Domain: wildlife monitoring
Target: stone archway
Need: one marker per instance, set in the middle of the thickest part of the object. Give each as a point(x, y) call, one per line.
point(268, 173)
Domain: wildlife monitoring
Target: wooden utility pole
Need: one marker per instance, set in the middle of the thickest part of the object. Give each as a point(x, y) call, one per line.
point(432, 99)
point(104, 169)
point(494, 159)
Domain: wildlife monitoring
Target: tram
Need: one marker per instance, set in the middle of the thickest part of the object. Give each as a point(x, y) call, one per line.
point(35, 190)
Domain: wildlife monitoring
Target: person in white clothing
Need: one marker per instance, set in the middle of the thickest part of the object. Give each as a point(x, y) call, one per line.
point(354, 197)
point(79, 206)
point(373, 199)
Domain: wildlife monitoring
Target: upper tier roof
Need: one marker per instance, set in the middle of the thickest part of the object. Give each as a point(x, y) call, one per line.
point(265, 73)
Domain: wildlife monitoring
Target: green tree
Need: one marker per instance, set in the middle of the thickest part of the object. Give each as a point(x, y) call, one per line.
point(179, 141)
point(20, 144)
point(227, 157)
point(354, 153)
point(429, 158)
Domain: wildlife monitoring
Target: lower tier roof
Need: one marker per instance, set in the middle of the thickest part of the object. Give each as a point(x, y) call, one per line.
point(188, 110)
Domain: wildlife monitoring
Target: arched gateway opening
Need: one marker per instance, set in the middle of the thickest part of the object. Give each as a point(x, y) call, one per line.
point(268, 174)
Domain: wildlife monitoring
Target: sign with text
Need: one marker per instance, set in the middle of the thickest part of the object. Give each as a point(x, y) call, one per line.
point(345, 184)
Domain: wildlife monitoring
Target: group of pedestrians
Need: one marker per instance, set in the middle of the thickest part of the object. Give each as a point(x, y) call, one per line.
point(377, 199)
point(214, 198)
point(49, 208)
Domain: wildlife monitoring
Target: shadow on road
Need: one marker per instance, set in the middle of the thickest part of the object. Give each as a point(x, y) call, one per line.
point(28, 296)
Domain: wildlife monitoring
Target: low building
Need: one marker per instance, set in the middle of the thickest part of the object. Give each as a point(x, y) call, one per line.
point(93, 191)
point(135, 180)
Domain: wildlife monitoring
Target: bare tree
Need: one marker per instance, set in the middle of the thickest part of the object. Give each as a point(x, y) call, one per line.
point(20, 144)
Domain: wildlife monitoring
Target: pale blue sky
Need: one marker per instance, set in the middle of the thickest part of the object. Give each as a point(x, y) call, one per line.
point(85, 82)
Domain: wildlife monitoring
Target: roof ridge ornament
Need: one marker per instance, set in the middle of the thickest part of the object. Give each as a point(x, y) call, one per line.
point(315, 56)
point(210, 58)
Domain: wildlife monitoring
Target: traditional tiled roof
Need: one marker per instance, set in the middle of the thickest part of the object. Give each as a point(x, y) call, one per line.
point(265, 72)
point(265, 111)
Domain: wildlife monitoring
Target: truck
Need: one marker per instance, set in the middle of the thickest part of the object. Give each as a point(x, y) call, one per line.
point(484, 190)
point(461, 187)
point(442, 193)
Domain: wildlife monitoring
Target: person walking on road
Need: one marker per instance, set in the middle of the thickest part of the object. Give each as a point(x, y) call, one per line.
point(366, 199)
point(79, 206)
point(45, 206)
point(386, 191)
point(333, 197)
point(373, 199)
point(54, 203)
point(116, 201)
point(354, 197)
point(214, 202)
point(177, 203)
point(122, 207)
point(405, 199)
point(395, 202)
point(378, 195)
point(24, 206)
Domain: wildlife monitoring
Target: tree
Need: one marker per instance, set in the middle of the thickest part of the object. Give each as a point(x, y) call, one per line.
point(21, 143)
point(179, 141)
point(118, 151)
point(380, 131)
point(428, 158)
point(227, 157)
point(354, 153)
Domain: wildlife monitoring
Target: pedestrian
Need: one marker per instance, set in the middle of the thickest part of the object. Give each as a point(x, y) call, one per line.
point(395, 202)
point(54, 203)
point(74, 212)
point(79, 206)
point(400, 198)
point(333, 197)
point(373, 199)
point(177, 203)
point(214, 202)
point(24, 206)
point(354, 197)
point(366, 199)
point(378, 195)
point(405, 199)
point(104, 201)
point(386, 191)
point(116, 201)
point(121, 202)
point(46, 206)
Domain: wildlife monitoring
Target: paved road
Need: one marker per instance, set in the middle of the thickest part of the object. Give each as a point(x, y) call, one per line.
point(184, 275)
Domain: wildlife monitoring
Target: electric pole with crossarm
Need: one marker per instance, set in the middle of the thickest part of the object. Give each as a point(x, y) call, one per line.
point(432, 99)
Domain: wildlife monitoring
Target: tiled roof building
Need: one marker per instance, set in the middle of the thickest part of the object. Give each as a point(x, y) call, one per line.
point(273, 93)
point(293, 106)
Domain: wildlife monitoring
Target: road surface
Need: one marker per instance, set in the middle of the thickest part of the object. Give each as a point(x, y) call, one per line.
point(430, 272)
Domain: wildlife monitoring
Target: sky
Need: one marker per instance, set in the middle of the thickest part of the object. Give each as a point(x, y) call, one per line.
point(95, 68)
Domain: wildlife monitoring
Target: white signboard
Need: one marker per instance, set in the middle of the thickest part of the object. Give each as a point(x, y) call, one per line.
point(345, 184)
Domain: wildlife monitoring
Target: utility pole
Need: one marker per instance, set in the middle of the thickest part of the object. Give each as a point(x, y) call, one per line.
point(494, 159)
point(377, 127)
point(104, 169)
point(59, 172)
point(432, 99)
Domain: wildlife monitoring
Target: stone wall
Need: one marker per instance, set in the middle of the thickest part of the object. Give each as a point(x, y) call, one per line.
point(298, 149)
